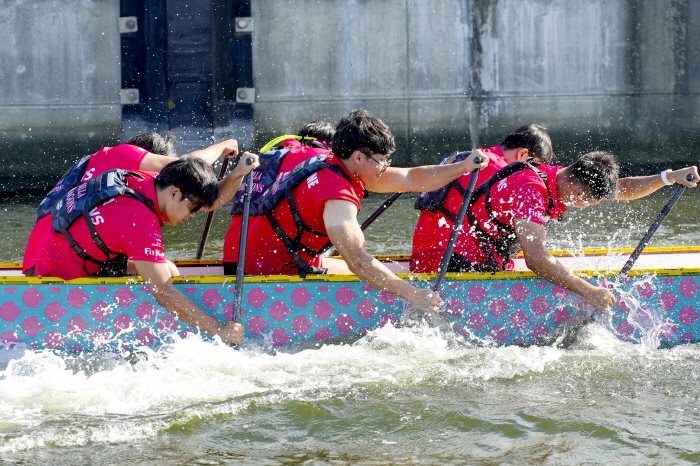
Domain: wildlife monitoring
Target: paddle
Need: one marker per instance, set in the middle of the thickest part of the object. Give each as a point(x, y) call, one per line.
point(385, 205)
point(210, 217)
point(437, 286)
point(238, 297)
point(654, 226)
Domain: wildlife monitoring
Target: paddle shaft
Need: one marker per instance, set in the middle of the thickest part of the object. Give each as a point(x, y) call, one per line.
point(437, 286)
point(654, 226)
point(238, 297)
point(210, 217)
point(385, 205)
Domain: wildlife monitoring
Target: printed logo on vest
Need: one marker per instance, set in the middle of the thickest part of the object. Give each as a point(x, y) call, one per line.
point(312, 180)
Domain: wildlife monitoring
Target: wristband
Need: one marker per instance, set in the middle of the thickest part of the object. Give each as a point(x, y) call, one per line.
point(664, 178)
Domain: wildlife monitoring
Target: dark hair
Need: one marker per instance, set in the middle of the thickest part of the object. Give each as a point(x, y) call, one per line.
point(361, 131)
point(535, 139)
point(322, 130)
point(597, 173)
point(193, 176)
point(155, 143)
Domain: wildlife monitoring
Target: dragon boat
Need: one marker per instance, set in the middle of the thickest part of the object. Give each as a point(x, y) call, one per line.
point(658, 299)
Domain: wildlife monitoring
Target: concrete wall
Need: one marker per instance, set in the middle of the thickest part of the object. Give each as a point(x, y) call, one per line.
point(60, 78)
point(453, 74)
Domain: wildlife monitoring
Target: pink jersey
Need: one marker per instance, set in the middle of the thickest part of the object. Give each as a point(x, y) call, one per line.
point(298, 154)
point(521, 195)
point(433, 230)
point(124, 224)
point(125, 156)
point(266, 254)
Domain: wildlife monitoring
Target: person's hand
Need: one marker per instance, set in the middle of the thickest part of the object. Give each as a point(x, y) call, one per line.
point(242, 167)
point(231, 332)
point(471, 165)
point(426, 300)
point(601, 299)
point(230, 148)
point(680, 176)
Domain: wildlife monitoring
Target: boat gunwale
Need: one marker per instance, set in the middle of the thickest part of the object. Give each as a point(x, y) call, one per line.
point(460, 276)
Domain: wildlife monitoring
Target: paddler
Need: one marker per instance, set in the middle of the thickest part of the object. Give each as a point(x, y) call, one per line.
point(326, 199)
point(439, 208)
point(126, 212)
point(524, 197)
point(147, 152)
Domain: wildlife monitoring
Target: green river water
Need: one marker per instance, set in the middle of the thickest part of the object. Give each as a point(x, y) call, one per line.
point(413, 395)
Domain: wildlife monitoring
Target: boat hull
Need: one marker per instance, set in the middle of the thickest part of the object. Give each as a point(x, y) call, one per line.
point(486, 309)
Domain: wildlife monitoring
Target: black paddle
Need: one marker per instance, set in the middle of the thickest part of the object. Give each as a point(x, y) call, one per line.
point(238, 297)
point(457, 227)
point(654, 226)
point(210, 217)
point(385, 205)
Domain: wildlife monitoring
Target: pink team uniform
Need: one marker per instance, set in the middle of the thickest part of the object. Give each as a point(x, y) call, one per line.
point(433, 230)
point(298, 154)
point(124, 156)
point(266, 254)
point(521, 195)
point(124, 224)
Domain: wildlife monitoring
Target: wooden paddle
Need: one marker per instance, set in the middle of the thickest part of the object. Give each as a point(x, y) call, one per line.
point(210, 217)
point(654, 226)
point(238, 297)
point(456, 228)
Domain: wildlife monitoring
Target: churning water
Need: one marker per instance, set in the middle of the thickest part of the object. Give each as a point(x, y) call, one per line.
point(415, 394)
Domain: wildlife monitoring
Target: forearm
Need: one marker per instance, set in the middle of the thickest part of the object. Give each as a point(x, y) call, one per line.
point(635, 187)
point(212, 153)
point(417, 179)
point(375, 274)
point(187, 311)
point(548, 268)
point(227, 189)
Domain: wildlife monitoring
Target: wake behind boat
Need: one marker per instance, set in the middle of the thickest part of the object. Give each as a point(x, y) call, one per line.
point(658, 299)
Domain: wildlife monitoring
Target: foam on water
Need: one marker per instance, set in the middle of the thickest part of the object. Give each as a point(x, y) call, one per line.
point(50, 399)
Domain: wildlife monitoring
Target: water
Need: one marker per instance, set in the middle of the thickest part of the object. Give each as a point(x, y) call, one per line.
point(409, 395)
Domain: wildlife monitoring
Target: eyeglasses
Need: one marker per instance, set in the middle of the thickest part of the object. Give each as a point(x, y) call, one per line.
point(194, 206)
point(384, 164)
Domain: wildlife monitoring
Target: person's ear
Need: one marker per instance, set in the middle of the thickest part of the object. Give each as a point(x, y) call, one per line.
point(523, 154)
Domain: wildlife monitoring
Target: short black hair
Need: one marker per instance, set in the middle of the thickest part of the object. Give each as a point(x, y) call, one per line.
point(155, 143)
point(597, 173)
point(535, 139)
point(361, 131)
point(322, 130)
point(193, 176)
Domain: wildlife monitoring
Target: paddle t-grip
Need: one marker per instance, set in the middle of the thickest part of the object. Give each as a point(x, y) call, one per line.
point(689, 177)
point(477, 159)
point(249, 161)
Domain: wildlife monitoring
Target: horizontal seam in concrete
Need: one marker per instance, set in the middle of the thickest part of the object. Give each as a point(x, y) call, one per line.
point(51, 106)
point(480, 98)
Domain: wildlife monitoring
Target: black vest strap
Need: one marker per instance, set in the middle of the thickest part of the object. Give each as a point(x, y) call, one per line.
point(506, 245)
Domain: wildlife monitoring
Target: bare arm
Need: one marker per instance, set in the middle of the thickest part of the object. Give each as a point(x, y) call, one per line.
point(231, 182)
point(155, 163)
point(532, 238)
point(635, 187)
point(158, 278)
point(427, 177)
point(212, 153)
point(340, 219)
